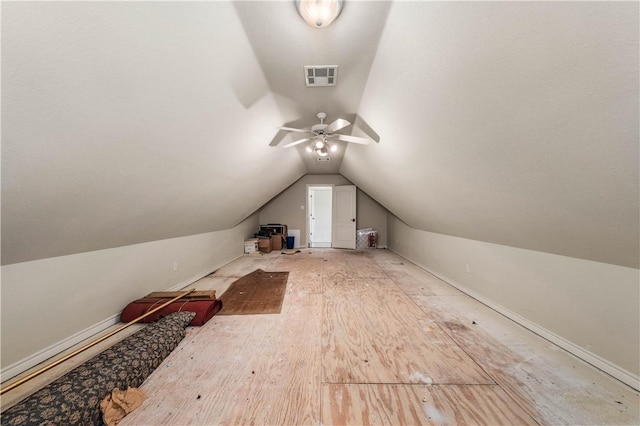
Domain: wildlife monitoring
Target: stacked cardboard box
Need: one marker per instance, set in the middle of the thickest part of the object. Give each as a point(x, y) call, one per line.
point(264, 245)
point(277, 234)
point(277, 241)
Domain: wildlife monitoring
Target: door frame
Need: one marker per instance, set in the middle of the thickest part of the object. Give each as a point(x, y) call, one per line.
point(307, 220)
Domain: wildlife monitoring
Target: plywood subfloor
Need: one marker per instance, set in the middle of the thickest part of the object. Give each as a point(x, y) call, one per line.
point(365, 337)
point(372, 332)
point(358, 404)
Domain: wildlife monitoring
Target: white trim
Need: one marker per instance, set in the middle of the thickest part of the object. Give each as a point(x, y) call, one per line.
point(596, 361)
point(319, 245)
point(307, 220)
point(31, 361)
point(57, 348)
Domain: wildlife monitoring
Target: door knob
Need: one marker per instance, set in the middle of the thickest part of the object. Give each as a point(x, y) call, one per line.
point(353, 220)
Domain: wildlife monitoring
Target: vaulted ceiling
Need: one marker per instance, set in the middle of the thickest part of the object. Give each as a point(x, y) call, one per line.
point(514, 123)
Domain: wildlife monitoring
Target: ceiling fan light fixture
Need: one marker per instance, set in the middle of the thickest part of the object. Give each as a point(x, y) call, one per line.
point(324, 137)
point(319, 13)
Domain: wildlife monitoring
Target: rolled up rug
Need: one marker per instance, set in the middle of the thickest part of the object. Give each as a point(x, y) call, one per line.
point(204, 309)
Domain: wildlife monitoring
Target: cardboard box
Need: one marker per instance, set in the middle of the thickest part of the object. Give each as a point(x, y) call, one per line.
point(277, 241)
point(250, 245)
point(264, 244)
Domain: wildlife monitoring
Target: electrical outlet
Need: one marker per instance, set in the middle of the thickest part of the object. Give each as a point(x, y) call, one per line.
point(175, 266)
point(467, 268)
point(301, 207)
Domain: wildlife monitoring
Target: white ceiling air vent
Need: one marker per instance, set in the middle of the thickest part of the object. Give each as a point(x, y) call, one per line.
point(324, 159)
point(320, 75)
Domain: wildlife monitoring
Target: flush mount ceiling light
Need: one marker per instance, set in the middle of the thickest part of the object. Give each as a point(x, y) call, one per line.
point(319, 13)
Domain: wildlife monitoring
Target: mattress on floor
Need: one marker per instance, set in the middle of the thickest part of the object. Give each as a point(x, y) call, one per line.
point(204, 309)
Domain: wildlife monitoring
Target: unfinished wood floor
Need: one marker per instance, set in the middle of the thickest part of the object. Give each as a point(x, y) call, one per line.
point(366, 337)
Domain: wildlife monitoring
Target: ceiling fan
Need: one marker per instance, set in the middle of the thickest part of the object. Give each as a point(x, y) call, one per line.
point(324, 134)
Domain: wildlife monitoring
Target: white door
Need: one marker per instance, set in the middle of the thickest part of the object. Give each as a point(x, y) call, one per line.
point(320, 216)
point(344, 216)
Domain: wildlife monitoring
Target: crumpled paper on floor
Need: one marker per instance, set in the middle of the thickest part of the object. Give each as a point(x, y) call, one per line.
point(120, 403)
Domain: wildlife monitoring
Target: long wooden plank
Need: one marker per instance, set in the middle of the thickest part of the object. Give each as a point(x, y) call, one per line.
point(198, 294)
point(368, 404)
point(373, 333)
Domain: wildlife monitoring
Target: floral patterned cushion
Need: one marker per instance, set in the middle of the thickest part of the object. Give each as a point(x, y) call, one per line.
point(74, 399)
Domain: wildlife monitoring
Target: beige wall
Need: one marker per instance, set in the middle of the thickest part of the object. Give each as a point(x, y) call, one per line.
point(286, 207)
point(540, 163)
point(51, 304)
point(589, 308)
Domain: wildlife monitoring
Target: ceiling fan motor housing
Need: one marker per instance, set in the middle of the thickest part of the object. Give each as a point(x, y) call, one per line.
point(319, 128)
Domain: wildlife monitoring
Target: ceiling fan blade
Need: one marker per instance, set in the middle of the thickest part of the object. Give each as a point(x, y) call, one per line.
point(336, 125)
point(292, 129)
point(354, 139)
point(296, 142)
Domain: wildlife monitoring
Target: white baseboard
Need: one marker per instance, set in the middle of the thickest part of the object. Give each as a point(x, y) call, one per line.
point(598, 362)
point(59, 347)
point(23, 365)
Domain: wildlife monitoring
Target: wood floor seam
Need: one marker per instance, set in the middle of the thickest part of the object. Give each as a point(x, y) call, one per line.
point(409, 384)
